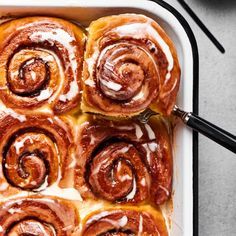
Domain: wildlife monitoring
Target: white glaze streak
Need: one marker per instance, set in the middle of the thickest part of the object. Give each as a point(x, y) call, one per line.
point(63, 37)
point(138, 131)
point(111, 85)
point(133, 192)
point(74, 90)
point(3, 186)
point(150, 132)
point(120, 223)
point(44, 94)
point(140, 30)
point(140, 227)
point(20, 144)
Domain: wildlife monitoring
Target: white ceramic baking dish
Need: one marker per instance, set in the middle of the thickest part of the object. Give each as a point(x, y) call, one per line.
point(184, 214)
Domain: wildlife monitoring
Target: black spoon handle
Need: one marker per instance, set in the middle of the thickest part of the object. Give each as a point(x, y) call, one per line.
point(208, 129)
point(201, 25)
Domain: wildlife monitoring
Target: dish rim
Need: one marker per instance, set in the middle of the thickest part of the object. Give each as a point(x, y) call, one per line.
point(195, 104)
point(195, 92)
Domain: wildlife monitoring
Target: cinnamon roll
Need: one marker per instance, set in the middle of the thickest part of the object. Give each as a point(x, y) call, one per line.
point(125, 221)
point(34, 151)
point(130, 64)
point(66, 173)
point(38, 216)
point(41, 64)
point(124, 161)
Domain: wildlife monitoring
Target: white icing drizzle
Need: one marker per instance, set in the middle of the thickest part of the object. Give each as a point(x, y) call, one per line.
point(1, 229)
point(90, 206)
point(74, 89)
point(151, 134)
point(97, 168)
point(14, 210)
point(67, 193)
point(20, 144)
point(73, 163)
point(167, 214)
point(55, 190)
point(142, 95)
point(63, 125)
point(25, 25)
point(91, 61)
point(104, 153)
point(42, 229)
point(66, 40)
point(153, 146)
point(90, 82)
point(48, 58)
point(103, 52)
point(49, 200)
point(119, 166)
point(150, 147)
point(138, 131)
point(8, 167)
point(15, 115)
point(92, 140)
point(143, 182)
point(44, 94)
point(123, 221)
point(29, 62)
point(125, 177)
point(33, 75)
point(44, 185)
point(140, 30)
point(50, 120)
point(133, 192)
point(169, 91)
point(98, 216)
point(168, 75)
point(3, 186)
point(165, 189)
point(51, 57)
point(19, 202)
point(111, 85)
point(67, 227)
point(120, 223)
point(125, 149)
point(124, 127)
point(113, 179)
point(20, 195)
point(145, 145)
point(62, 37)
point(45, 109)
point(140, 227)
point(139, 96)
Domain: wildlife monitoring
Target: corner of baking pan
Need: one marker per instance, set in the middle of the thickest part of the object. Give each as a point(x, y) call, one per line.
point(195, 103)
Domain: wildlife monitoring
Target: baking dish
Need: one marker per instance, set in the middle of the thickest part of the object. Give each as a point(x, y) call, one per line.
point(184, 213)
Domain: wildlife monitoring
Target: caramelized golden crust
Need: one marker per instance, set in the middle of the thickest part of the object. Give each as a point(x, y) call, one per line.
point(125, 221)
point(38, 216)
point(124, 161)
point(130, 64)
point(41, 64)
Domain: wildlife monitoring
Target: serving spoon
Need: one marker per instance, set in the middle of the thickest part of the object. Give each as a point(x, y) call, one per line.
point(200, 125)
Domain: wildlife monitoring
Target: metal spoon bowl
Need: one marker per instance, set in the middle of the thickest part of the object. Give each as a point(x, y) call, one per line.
point(200, 125)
